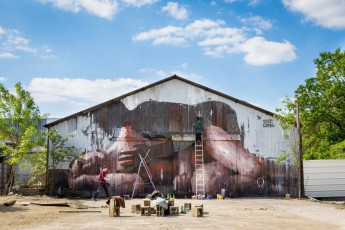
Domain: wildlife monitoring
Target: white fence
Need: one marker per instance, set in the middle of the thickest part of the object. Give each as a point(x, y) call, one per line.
point(324, 178)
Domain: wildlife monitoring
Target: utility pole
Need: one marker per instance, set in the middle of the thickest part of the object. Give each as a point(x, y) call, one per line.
point(299, 154)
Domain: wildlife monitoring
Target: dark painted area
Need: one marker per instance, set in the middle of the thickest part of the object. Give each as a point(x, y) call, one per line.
point(150, 127)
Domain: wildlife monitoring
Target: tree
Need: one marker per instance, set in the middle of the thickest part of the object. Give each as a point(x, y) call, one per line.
point(19, 117)
point(59, 151)
point(287, 120)
point(322, 108)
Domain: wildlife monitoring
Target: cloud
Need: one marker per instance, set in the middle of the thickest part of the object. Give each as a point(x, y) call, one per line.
point(139, 3)
point(101, 8)
point(2, 31)
point(250, 2)
point(257, 23)
point(16, 42)
point(163, 74)
point(156, 72)
point(174, 10)
point(254, 2)
point(7, 55)
point(259, 51)
point(84, 91)
point(13, 44)
point(2, 79)
point(217, 40)
point(329, 14)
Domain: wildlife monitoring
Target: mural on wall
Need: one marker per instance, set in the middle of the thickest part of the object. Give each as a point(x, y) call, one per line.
point(162, 129)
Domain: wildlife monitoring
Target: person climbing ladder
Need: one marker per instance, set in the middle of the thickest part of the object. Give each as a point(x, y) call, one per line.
point(198, 128)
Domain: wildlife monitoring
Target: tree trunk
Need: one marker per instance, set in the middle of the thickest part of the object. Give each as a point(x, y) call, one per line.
point(10, 181)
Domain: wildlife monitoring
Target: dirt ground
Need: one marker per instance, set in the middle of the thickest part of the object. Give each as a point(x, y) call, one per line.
point(218, 214)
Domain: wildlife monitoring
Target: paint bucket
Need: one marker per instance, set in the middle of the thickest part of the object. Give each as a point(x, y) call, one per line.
point(219, 196)
point(222, 191)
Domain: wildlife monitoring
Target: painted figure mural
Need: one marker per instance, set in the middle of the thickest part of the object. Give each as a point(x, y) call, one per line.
point(165, 130)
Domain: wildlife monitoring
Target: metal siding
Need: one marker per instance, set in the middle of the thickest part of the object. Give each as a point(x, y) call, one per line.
point(168, 110)
point(324, 178)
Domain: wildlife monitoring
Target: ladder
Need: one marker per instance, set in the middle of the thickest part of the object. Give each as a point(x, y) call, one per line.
point(199, 169)
point(143, 164)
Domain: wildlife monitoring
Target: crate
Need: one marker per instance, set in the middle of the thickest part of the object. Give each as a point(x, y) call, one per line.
point(147, 202)
point(114, 210)
point(136, 208)
point(187, 206)
point(174, 211)
point(146, 211)
point(159, 210)
point(198, 212)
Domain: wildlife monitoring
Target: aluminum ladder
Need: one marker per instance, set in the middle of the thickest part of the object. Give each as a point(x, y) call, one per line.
point(199, 169)
point(143, 164)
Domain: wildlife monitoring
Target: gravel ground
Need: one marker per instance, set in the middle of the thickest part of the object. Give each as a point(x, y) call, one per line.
point(243, 213)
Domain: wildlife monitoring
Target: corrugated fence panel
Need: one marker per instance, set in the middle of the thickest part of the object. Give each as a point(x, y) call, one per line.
point(324, 178)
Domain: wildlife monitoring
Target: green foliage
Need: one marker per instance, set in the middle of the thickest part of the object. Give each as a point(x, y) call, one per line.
point(19, 117)
point(322, 108)
point(38, 162)
point(287, 120)
point(60, 151)
point(322, 103)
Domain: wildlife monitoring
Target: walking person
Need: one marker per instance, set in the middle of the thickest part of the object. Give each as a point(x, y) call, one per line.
point(102, 183)
point(198, 129)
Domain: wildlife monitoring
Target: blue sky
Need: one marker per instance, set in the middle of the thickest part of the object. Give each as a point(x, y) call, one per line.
point(74, 54)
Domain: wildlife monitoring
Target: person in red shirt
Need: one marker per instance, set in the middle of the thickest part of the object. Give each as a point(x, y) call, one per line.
point(102, 183)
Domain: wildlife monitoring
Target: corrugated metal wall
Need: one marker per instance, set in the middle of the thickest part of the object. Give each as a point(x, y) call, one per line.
point(238, 143)
point(324, 178)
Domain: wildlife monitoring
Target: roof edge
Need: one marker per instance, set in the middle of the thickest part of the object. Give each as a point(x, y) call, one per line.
point(85, 111)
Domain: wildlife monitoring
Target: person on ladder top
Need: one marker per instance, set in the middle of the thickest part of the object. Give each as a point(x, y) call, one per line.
point(198, 129)
point(102, 183)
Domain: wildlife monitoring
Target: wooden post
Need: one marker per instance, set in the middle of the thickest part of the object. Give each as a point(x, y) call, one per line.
point(299, 154)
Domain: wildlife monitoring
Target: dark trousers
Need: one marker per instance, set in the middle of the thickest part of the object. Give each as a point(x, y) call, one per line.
point(198, 138)
point(104, 186)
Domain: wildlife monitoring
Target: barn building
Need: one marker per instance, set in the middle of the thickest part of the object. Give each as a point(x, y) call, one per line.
point(240, 143)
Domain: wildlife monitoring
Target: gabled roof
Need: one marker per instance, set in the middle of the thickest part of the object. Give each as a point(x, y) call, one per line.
point(83, 112)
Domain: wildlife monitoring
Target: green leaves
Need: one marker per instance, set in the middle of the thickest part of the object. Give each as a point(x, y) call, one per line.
point(19, 117)
point(322, 108)
point(60, 151)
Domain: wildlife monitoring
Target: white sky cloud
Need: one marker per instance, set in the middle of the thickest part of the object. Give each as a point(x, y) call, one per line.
point(257, 23)
point(163, 74)
point(254, 2)
point(101, 8)
point(139, 3)
point(13, 44)
point(2, 31)
point(16, 42)
point(218, 40)
point(7, 55)
point(259, 51)
point(157, 72)
point(175, 10)
point(87, 92)
point(329, 14)
point(2, 79)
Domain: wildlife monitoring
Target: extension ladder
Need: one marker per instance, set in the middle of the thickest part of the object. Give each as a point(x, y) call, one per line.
point(199, 169)
point(143, 164)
